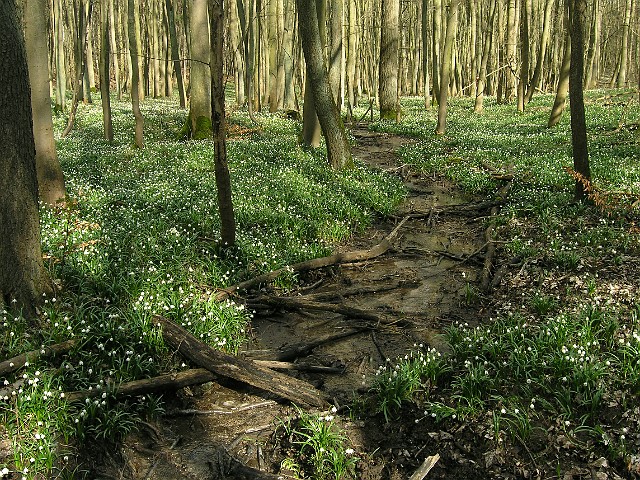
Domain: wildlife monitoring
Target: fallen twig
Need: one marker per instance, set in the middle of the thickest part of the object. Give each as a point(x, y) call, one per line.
point(425, 468)
point(15, 363)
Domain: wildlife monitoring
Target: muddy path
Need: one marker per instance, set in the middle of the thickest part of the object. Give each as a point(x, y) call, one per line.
point(417, 288)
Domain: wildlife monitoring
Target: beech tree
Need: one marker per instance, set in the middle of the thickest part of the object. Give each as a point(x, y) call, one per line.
point(445, 72)
point(338, 149)
point(23, 278)
point(389, 57)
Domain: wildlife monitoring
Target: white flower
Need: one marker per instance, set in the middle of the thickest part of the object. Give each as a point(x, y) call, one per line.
point(349, 451)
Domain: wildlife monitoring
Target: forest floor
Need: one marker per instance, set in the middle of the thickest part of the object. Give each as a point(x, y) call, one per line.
point(416, 289)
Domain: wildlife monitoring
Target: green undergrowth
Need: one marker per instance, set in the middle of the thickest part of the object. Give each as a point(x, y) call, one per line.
point(139, 238)
point(557, 356)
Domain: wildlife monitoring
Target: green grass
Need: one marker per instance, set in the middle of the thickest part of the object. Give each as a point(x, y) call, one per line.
point(139, 238)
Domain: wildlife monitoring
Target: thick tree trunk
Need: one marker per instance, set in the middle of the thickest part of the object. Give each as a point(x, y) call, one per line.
point(50, 179)
point(23, 278)
point(200, 83)
point(563, 81)
point(134, 49)
point(105, 77)
point(338, 149)
point(578, 12)
point(447, 51)
point(389, 57)
point(175, 53)
point(311, 130)
point(219, 124)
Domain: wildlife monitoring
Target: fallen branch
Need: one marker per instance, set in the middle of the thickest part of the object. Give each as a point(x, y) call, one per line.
point(425, 468)
point(298, 302)
point(302, 367)
point(245, 371)
point(15, 363)
point(171, 381)
point(316, 263)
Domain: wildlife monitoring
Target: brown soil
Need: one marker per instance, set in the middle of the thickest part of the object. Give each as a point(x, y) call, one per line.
point(417, 291)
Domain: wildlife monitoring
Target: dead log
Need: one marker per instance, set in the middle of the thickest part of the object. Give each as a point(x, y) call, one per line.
point(236, 368)
point(171, 381)
point(316, 263)
point(291, 352)
point(15, 363)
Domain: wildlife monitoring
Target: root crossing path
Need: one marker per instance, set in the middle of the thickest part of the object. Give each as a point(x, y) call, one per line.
point(334, 331)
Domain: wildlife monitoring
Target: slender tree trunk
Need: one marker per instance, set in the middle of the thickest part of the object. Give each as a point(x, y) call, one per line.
point(425, 54)
point(524, 54)
point(578, 123)
point(624, 49)
point(335, 49)
point(452, 25)
point(389, 58)
point(200, 82)
point(113, 46)
point(175, 53)
point(288, 52)
point(58, 42)
point(435, 47)
point(155, 49)
point(338, 150)
point(590, 77)
point(105, 77)
point(544, 42)
point(482, 76)
point(49, 173)
point(510, 85)
point(218, 123)
point(352, 57)
point(23, 278)
point(311, 129)
point(563, 81)
point(236, 48)
point(272, 28)
point(134, 48)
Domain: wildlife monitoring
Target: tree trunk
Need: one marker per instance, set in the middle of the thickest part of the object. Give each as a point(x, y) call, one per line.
point(524, 54)
point(435, 47)
point(236, 48)
point(50, 179)
point(544, 42)
point(288, 53)
point(482, 75)
point(105, 77)
point(219, 124)
point(563, 80)
point(425, 54)
point(624, 49)
point(155, 49)
point(272, 27)
point(578, 123)
point(452, 25)
point(58, 42)
point(335, 50)
point(590, 77)
point(175, 53)
point(23, 278)
point(200, 83)
point(352, 57)
point(389, 57)
point(510, 84)
point(134, 49)
point(311, 130)
point(338, 149)
point(113, 47)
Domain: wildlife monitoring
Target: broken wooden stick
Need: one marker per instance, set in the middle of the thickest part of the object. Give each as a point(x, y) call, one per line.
point(19, 361)
point(245, 371)
point(425, 468)
point(316, 263)
point(170, 381)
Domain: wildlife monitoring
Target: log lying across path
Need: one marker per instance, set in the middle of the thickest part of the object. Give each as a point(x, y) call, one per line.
point(245, 371)
point(316, 263)
point(17, 362)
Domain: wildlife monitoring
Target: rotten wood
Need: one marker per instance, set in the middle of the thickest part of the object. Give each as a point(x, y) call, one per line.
point(245, 371)
point(19, 361)
point(316, 263)
point(425, 468)
point(171, 381)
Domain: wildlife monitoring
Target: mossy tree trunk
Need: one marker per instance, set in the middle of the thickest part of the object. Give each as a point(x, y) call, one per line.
point(23, 278)
point(338, 149)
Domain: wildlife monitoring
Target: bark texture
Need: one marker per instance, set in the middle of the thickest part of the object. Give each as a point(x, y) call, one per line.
point(389, 58)
point(200, 107)
point(445, 73)
point(22, 275)
point(50, 178)
point(338, 149)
